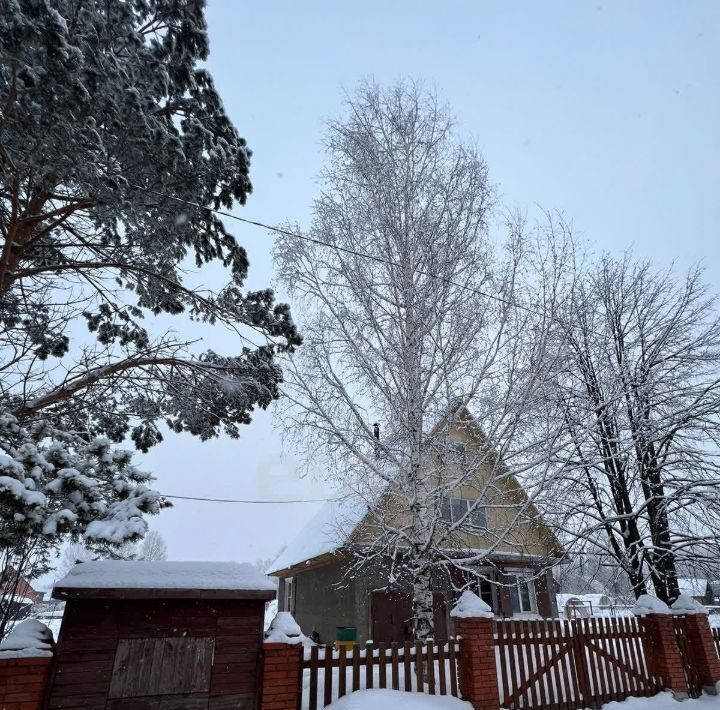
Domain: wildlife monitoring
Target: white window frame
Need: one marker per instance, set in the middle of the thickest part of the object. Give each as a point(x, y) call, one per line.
point(526, 578)
point(447, 505)
point(289, 595)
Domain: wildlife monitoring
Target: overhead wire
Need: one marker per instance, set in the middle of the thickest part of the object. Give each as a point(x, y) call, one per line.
point(250, 501)
point(346, 250)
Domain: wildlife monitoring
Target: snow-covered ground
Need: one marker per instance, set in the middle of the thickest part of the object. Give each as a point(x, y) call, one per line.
point(399, 700)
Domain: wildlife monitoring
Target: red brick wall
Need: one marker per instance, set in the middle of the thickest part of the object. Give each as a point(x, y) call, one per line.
point(22, 682)
point(282, 673)
point(478, 672)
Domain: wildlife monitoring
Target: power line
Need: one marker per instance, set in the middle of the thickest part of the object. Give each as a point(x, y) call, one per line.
point(260, 502)
point(346, 250)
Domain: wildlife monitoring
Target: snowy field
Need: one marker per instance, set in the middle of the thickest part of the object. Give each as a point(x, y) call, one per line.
point(398, 700)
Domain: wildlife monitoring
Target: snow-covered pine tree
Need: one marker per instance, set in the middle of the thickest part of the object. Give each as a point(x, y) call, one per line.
point(408, 308)
point(104, 111)
point(56, 485)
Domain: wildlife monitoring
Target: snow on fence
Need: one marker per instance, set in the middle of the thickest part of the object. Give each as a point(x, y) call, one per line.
point(563, 665)
point(420, 667)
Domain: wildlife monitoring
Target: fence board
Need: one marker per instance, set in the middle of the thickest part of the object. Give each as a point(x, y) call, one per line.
point(382, 665)
point(313, 677)
point(441, 669)
point(342, 671)
point(419, 673)
point(395, 671)
point(406, 666)
point(453, 668)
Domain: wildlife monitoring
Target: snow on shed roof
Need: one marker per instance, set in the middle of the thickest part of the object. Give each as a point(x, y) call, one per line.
point(325, 533)
point(165, 579)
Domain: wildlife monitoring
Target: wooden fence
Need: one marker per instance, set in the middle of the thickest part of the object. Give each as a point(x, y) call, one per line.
point(716, 639)
point(563, 665)
point(420, 667)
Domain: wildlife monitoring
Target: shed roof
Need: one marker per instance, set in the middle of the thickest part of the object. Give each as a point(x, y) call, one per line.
point(119, 579)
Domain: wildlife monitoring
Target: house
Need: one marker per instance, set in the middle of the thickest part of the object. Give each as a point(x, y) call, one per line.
point(699, 589)
point(21, 589)
point(515, 577)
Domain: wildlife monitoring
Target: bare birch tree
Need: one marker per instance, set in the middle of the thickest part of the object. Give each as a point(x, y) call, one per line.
point(409, 308)
point(637, 397)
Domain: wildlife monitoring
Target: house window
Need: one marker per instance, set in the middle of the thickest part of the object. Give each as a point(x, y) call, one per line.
point(289, 600)
point(456, 451)
point(522, 594)
point(452, 510)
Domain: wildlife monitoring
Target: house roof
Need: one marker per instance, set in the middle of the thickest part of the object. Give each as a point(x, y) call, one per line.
point(334, 524)
point(324, 534)
point(166, 580)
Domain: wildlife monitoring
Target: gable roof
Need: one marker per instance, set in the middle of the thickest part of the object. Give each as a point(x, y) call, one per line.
point(324, 534)
point(333, 525)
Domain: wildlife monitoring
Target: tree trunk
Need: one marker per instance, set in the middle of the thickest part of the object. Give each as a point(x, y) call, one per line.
point(423, 613)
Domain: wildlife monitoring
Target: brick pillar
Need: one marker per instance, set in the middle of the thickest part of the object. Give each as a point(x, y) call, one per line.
point(477, 673)
point(282, 676)
point(282, 664)
point(22, 682)
point(662, 654)
point(704, 656)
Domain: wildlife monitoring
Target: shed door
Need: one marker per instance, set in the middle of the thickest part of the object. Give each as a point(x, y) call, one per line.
point(392, 617)
point(161, 666)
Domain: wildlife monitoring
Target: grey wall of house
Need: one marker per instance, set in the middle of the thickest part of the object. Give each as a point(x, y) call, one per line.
point(325, 599)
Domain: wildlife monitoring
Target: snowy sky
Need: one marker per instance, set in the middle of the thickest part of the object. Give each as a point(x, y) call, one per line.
point(608, 111)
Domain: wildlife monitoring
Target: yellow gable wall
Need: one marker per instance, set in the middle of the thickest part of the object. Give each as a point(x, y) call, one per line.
point(509, 517)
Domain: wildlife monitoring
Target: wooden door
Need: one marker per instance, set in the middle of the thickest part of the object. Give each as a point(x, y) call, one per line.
point(392, 617)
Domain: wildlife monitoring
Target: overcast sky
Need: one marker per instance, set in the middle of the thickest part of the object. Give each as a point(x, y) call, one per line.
point(609, 112)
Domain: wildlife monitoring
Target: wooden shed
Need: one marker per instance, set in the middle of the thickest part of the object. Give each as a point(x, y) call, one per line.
point(159, 635)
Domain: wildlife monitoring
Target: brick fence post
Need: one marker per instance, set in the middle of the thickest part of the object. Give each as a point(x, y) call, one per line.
point(281, 682)
point(662, 654)
point(26, 655)
point(700, 639)
point(473, 620)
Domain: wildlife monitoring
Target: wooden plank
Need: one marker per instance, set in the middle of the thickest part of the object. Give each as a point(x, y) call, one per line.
point(566, 683)
point(356, 668)
point(430, 647)
point(382, 665)
point(611, 634)
point(533, 649)
point(406, 666)
point(441, 669)
point(553, 659)
point(122, 656)
point(453, 668)
point(544, 659)
point(395, 670)
point(516, 659)
point(503, 682)
point(578, 665)
point(312, 692)
point(342, 670)
point(369, 649)
point(327, 680)
point(633, 684)
point(419, 673)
